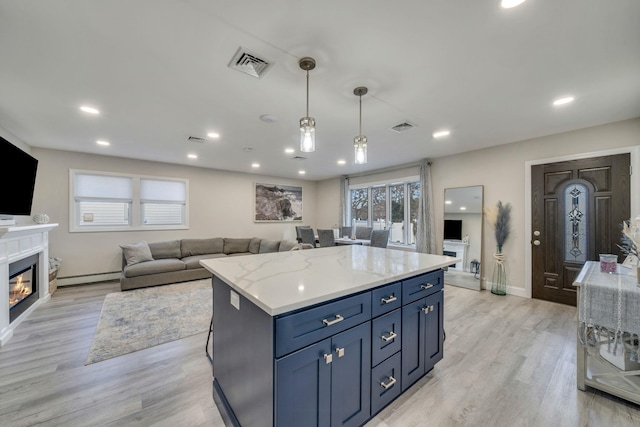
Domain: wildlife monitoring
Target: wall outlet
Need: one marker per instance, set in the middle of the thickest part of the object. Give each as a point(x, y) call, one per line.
point(235, 300)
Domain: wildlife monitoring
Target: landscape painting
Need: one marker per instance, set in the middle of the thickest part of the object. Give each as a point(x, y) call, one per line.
point(276, 202)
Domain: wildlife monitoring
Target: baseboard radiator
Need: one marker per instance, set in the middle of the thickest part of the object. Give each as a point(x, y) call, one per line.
point(88, 279)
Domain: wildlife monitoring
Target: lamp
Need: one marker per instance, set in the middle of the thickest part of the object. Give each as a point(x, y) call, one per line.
point(360, 141)
point(307, 124)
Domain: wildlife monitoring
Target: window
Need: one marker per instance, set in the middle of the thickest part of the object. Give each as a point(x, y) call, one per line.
point(107, 202)
point(392, 205)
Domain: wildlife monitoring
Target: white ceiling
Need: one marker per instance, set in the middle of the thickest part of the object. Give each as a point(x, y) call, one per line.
point(158, 71)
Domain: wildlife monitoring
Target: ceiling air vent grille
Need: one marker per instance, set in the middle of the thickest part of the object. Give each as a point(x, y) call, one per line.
point(196, 139)
point(249, 63)
point(401, 127)
point(298, 158)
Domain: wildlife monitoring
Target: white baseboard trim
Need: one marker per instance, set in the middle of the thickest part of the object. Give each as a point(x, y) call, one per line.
point(89, 278)
point(519, 292)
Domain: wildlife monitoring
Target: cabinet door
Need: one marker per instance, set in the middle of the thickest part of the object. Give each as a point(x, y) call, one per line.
point(351, 377)
point(433, 328)
point(413, 362)
point(303, 388)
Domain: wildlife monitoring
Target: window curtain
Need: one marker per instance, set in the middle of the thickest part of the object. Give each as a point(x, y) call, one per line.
point(344, 186)
point(425, 240)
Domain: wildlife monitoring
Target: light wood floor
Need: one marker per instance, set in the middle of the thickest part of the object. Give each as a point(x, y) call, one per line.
point(508, 361)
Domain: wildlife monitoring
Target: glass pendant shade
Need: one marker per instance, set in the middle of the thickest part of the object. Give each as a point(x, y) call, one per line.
point(360, 148)
point(307, 134)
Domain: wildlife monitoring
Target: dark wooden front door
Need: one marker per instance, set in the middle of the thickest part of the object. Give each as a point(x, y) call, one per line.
point(577, 210)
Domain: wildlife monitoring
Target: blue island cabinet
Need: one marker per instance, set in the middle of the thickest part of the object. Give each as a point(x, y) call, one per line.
point(331, 364)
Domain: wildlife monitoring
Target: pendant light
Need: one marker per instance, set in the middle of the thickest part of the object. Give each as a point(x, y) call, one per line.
point(307, 124)
point(360, 141)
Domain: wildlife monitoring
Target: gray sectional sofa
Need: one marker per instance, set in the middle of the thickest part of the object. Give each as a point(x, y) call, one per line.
point(151, 264)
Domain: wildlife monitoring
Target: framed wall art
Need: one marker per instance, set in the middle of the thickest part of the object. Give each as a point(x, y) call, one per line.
point(276, 202)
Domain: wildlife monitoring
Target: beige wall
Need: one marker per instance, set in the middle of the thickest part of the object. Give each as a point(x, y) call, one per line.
point(502, 172)
point(221, 205)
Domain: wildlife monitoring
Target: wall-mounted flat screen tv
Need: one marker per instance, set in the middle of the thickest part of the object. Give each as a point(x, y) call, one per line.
point(452, 229)
point(18, 177)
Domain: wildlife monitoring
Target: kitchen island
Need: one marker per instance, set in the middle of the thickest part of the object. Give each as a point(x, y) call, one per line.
point(323, 337)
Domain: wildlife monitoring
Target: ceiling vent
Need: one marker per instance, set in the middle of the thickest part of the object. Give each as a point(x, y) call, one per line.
point(196, 139)
point(249, 63)
point(401, 127)
point(298, 158)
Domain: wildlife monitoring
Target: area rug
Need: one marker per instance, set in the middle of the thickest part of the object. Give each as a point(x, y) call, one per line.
point(134, 320)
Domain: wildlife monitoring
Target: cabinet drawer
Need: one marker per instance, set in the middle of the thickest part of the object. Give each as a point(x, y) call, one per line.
point(385, 336)
point(386, 299)
point(422, 286)
point(306, 327)
point(385, 383)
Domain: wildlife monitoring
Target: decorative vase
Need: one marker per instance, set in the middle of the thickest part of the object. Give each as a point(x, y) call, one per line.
point(41, 218)
point(499, 283)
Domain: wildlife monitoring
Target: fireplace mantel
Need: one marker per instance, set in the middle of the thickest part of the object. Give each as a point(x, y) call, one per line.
point(18, 242)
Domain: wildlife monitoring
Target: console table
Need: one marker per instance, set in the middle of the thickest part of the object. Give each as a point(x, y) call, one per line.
point(322, 337)
point(608, 327)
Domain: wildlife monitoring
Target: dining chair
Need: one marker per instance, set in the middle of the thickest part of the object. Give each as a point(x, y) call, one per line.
point(363, 233)
point(379, 238)
point(307, 236)
point(345, 232)
point(298, 227)
point(326, 238)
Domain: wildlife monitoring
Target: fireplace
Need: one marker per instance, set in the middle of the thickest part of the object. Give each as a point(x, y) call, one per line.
point(452, 254)
point(23, 285)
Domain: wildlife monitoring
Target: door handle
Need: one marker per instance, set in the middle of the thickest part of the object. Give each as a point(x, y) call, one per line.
point(391, 382)
point(536, 242)
point(334, 321)
point(391, 336)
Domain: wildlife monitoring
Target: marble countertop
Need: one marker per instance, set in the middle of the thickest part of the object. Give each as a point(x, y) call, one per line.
point(284, 281)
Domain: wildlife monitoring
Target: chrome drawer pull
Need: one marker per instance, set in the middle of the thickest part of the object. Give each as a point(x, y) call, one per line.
point(391, 336)
point(340, 351)
point(334, 321)
point(328, 358)
point(427, 309)
point(392, 298)
point(427, 286)
point(391, 382)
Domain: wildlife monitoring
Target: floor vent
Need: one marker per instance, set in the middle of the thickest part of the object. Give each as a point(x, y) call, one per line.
point(196, 139)
point(401, 127)
point(249, 63)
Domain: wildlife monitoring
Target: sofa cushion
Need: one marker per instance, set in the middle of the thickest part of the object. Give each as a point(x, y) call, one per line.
point(240, 254)
point(286, 245)
point(194, 261)
point(232, 246)
point(254, 246)
point(267, 246)
point(191, 247)
point(154, 267)
point(136, 253)
point(168, 249)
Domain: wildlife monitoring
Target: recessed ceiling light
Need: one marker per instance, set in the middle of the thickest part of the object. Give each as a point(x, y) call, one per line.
point(247, 149)
point(213, 135)
point(462, 208)
point(342, 162)
point(563, 101)
point(289, 150)
point(447, 202)
point(102, 142)
point(255, 165)
point(508, 4)
point(441, 133)
point(302, 172)
point(90, 110)
point(192, 156)
point(268, 118)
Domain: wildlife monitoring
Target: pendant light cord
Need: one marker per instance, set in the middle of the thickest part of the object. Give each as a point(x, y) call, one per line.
point(307, 93)
point(360, 114)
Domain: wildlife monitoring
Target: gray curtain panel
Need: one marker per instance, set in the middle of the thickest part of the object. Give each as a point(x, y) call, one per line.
point(425, 240)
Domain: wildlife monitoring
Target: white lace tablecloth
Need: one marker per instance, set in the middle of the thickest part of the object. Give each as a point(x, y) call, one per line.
point(609, 308)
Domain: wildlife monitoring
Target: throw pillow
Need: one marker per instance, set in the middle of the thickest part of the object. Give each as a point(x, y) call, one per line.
point(137, 253)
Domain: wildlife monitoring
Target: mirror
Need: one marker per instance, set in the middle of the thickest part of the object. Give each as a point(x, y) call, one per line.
point(463, 232)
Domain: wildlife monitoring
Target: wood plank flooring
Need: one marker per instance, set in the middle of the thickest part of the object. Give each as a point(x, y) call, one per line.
point(508, 361)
